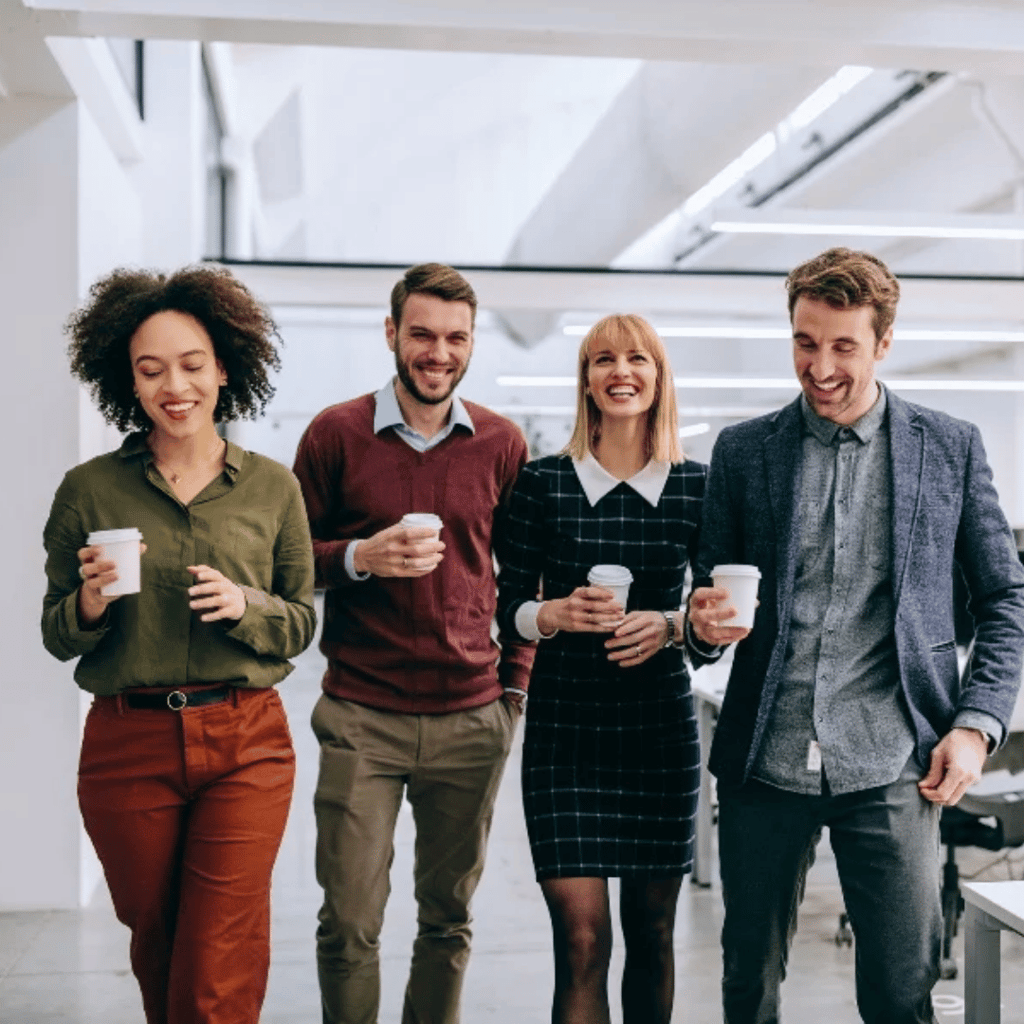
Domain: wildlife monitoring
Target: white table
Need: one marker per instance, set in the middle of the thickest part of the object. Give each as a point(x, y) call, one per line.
point(991, 907)
point(708, 687)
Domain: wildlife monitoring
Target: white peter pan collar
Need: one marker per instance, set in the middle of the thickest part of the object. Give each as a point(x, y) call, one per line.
point(596, 481)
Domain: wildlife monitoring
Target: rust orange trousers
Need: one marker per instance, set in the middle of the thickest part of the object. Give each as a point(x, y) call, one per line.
point(186, 811)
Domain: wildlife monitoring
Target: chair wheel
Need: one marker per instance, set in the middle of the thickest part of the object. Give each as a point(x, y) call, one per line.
point(947, 968)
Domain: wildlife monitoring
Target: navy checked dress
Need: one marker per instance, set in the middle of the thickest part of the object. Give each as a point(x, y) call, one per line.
point(610, 755)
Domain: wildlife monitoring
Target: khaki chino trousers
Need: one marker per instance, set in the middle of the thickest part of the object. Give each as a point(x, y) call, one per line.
point(449, 766)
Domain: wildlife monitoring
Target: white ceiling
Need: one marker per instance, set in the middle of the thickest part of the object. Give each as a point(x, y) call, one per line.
point(573, 135)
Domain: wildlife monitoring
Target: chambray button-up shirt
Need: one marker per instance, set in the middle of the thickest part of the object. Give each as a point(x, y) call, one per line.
point(841, 677)
point(841, 681)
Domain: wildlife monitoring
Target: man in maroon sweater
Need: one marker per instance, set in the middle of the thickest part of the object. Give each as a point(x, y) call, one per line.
point(417, 698)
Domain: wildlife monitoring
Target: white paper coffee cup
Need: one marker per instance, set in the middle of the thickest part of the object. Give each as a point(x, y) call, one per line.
point(615, 578)
point(423, 519)
point(741, 581)
point(122, 548)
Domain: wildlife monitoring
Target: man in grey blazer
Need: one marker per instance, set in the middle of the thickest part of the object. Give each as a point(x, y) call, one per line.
point(845, 707)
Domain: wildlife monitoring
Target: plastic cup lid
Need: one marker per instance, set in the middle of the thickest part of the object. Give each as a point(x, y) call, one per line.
point(422, 519)
point(613, 575)
point(736, 570)
point(113, 536)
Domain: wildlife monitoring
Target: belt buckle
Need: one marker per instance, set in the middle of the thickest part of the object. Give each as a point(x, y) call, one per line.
point(176, 700)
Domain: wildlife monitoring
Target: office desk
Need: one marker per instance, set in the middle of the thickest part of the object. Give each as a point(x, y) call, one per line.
point(708, 687)
point(991, 907)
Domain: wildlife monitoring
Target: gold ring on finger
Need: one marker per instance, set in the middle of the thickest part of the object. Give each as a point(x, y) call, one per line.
point(638, 650)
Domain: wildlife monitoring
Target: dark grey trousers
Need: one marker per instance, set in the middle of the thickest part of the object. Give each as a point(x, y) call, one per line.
point(886, 846)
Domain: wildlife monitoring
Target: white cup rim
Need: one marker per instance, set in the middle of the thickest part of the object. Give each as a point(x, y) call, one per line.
point(609, 575)
point(736, 570)
point(113, 536)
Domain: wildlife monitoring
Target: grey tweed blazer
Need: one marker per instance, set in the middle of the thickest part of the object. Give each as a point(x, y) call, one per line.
point(944, 510)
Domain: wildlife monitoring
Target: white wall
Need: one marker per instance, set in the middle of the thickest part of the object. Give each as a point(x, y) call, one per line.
point(39, 727)
point(70, 211)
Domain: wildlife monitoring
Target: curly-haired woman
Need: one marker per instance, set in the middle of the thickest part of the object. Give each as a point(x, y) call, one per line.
point(186, 768)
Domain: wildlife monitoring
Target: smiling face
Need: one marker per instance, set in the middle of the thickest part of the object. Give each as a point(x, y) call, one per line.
point(834, 354)
point(622, 376)
point(432, 346)
point(177, 374)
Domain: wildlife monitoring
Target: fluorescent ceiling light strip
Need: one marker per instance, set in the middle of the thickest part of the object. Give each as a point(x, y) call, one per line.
point(578, 330)
point(992, 336)
point(704, 412)
point(784, 333)
point(808, 111)
point(785, 383)
point(824, 96)
point(866, 230)
point(694, 429)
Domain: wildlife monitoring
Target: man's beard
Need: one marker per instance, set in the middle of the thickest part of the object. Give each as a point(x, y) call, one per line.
point(410, 385)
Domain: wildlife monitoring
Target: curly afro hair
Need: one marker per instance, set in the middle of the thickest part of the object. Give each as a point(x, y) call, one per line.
point(240, 328)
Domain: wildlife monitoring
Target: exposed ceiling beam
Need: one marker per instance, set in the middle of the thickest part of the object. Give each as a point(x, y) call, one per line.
point(984, 36)
point(924, 301)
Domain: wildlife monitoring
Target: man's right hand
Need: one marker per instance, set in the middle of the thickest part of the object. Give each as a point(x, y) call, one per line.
point(399, 551)
point(707, 609)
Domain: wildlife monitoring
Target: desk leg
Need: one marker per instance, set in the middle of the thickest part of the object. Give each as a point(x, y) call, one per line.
point(703, 827)
point(981, 967)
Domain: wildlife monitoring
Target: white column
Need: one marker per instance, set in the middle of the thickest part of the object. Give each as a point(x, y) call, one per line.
point(171, 179)
point(39, 721)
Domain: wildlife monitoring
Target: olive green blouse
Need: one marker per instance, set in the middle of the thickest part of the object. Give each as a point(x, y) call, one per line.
point(249, 523)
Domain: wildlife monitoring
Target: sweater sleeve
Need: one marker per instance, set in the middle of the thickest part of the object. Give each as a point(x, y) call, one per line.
point(319, 467)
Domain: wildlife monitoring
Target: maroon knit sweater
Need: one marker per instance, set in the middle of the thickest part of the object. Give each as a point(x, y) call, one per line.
point(419, 645)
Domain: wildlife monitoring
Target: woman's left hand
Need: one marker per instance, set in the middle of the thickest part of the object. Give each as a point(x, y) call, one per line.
point(214, 591)
point(639, 635)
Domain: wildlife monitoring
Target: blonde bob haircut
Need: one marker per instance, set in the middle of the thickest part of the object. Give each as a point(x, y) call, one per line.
point(662, 439)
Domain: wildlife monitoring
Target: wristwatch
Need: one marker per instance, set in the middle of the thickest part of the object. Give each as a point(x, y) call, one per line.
point(670, 619)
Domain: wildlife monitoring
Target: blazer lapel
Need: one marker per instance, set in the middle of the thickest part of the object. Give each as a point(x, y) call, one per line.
point(906, 441)
point(783, 464)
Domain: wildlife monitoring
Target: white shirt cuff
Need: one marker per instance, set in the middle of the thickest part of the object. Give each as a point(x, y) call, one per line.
point(526, 621)
point(350, 562)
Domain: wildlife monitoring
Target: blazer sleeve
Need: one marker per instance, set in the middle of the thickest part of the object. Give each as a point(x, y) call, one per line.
point(718, 541)
point(988, 558)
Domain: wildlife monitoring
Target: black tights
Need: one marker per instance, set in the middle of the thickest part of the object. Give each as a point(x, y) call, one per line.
point(582, 927)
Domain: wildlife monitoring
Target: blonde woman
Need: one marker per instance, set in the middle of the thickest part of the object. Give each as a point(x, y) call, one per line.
point(610, 758)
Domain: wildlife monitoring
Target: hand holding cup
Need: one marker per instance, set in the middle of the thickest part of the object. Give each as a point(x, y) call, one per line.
point(410, 548)
point(585, 610)
point(724, 614)
point(109, 568)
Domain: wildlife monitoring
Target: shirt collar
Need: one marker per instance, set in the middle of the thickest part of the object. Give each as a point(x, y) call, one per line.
point(388, 413)
point(863, 429)
point(135, 444)
point(596, 481)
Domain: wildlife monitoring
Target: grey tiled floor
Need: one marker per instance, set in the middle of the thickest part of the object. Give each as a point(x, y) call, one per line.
point(72, 967)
